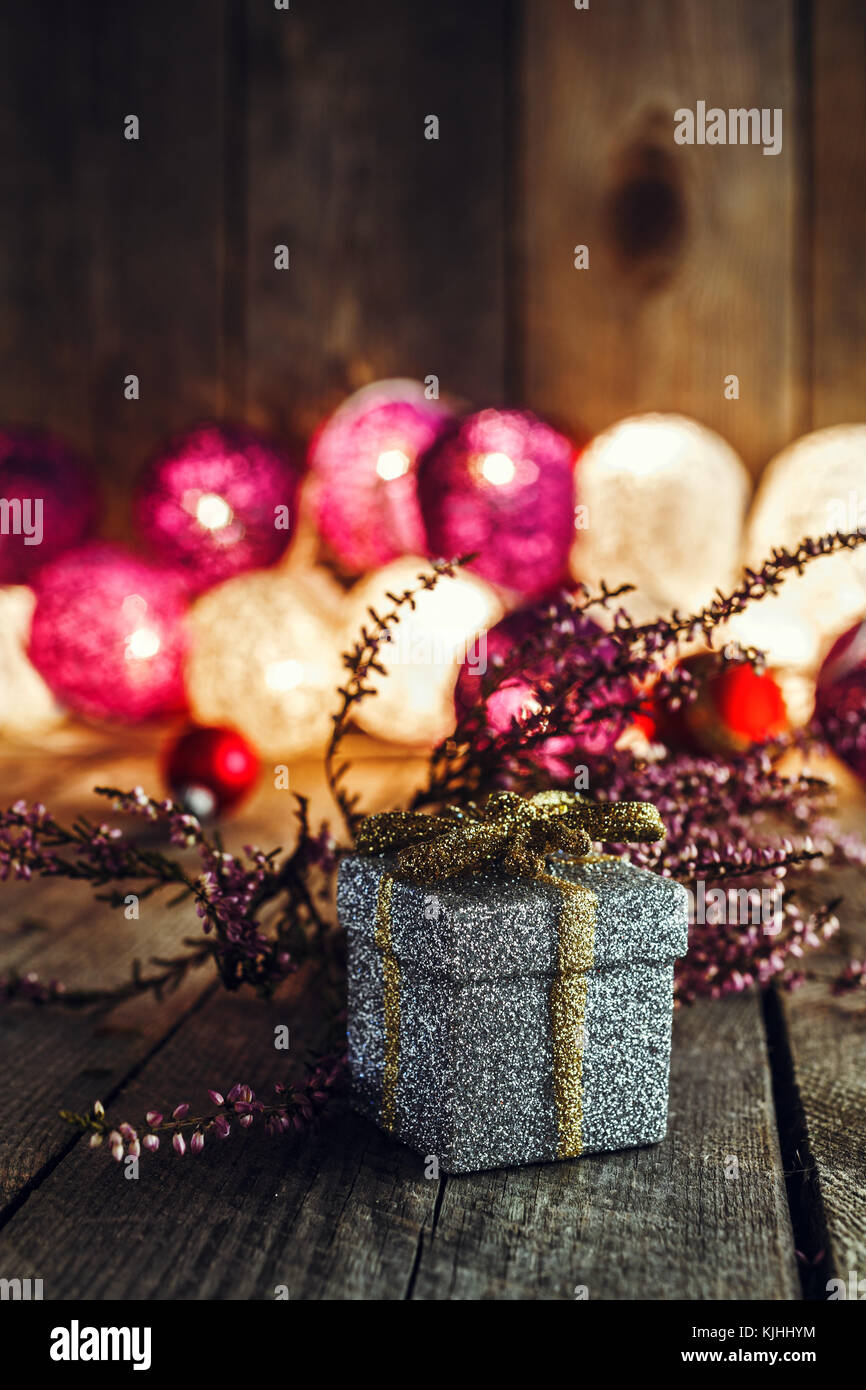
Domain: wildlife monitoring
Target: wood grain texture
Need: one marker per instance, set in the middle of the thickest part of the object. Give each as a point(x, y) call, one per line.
point(45, 248)
point(692, 248)
point(396, 241)
point(838, 211)
point(155, 225)
point(56, 1059)
point(111, 249)
point(335, 1218)
point(827, 1042)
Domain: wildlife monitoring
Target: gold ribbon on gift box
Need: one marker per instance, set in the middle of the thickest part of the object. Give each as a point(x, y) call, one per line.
point(514, 835)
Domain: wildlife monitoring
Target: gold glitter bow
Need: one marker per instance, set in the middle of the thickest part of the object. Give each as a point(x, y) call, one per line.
point(510, 832)
point(516, 835)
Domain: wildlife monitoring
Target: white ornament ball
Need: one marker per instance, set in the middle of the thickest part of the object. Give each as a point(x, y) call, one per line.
point(414, 703)
point(660, 504)
point(265, 660)
point(814, 486)
point(27, 706)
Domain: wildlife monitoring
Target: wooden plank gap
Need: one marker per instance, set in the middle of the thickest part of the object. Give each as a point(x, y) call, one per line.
point(434, 1221)
point(802, 1181)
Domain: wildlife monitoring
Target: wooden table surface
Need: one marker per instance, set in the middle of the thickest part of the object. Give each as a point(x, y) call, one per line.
point(764, 1155)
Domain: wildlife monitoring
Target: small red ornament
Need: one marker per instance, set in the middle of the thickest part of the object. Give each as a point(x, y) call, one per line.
point(210, 769)
point(735, 708)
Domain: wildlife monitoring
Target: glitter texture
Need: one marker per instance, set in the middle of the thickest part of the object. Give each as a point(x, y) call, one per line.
point(531, 1015)
point(502, 488)
point(208, 504)
point(515, 832)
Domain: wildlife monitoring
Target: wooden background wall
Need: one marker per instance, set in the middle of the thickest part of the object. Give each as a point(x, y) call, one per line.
point(408, 256)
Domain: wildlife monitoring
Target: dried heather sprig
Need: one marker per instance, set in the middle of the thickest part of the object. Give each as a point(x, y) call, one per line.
point(585, 680)
point(360, 660)
point(852, 977)
point(294, 1108)
point(230, 892)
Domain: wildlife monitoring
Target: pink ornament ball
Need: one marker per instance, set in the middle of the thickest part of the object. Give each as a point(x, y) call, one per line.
point(108, 634)
point(363, 468)
point(218, 501)
point(840, 699)
point(50, 502)
point(502, 485)
point(521, 694)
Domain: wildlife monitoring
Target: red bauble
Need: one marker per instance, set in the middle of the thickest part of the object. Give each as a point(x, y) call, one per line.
point(735, 708)
point(840, 698)
point(210, 770)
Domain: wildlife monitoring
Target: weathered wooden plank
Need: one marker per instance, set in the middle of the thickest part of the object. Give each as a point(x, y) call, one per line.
point(345, 1216)
point(57, 1058)
point(338, 1217)
point(395, 241)
point(692, 254)
point(827, 1044)
point(838, 210)
point(53, 1060)
point(155, 226)
point(666, 1222)
point(45, 251)
point(112, 249)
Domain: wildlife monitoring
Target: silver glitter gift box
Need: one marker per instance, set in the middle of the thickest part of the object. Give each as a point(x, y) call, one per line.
point(489, 1026)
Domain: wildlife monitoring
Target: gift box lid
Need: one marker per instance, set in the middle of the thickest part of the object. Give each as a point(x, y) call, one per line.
point(486, 924)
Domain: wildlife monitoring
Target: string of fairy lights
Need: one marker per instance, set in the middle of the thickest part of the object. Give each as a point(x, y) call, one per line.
point(250, 571)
